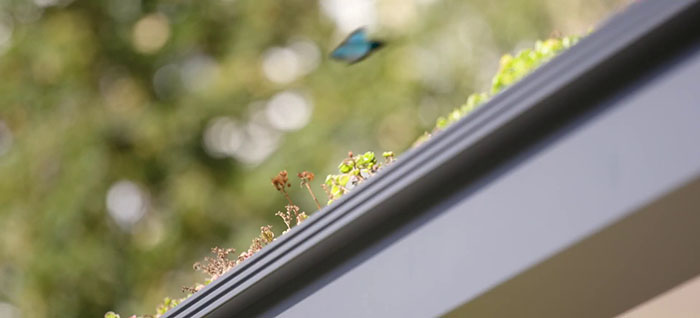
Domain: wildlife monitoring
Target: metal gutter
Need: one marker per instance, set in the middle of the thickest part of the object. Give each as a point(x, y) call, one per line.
point(621, 51)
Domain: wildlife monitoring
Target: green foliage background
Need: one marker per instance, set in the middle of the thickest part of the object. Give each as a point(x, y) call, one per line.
point(80, 109)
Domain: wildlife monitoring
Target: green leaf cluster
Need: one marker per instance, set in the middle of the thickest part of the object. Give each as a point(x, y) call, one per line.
point(352, 171)
point(512, 68)
point(167, 304)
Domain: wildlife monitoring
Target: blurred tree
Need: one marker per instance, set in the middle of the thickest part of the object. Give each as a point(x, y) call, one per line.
point(137, 134)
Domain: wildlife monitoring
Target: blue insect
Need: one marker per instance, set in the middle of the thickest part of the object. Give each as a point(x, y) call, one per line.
point(355, 47)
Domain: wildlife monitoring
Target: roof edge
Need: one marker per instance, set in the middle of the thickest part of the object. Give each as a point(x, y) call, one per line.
point(648, 28)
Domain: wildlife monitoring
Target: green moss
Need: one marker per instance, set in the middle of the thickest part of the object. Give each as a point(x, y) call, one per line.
point(511, 69)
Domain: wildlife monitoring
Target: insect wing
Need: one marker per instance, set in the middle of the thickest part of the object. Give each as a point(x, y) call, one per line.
point(358, 37)
point(355, 47)
point(350, 52)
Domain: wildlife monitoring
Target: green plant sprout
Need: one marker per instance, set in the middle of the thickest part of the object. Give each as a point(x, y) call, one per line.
point(353, 171)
